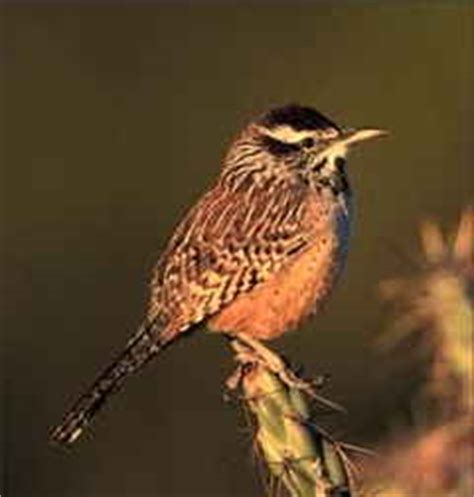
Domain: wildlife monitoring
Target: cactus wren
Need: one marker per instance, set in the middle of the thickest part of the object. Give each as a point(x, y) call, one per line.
point(258, 252)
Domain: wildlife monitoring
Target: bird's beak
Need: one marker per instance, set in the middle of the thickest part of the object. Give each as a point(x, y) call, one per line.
point(348, 137)
point(351, 137)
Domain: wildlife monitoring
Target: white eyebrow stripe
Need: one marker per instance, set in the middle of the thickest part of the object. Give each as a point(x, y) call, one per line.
point(287, 134)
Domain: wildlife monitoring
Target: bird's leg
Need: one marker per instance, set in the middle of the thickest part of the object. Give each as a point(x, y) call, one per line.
point(249, 350)
point(254, 351)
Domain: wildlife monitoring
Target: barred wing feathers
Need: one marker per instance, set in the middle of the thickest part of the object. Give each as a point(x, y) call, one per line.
point(228, 243)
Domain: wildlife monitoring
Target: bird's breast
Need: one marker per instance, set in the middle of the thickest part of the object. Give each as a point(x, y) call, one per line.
point(293, 293)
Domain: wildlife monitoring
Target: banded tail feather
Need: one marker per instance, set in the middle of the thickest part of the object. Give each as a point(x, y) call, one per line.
point(140, 349)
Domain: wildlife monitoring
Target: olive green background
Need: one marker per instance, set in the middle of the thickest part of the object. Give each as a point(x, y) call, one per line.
point(114, 119)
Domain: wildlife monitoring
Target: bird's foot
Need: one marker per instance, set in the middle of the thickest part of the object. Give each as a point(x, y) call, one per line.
point(250, 352)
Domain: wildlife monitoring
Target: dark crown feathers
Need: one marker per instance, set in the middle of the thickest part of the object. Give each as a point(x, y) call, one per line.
point(298, 117)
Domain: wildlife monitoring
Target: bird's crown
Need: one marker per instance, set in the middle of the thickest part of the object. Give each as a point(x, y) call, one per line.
point(298, 117)
point(293, 124)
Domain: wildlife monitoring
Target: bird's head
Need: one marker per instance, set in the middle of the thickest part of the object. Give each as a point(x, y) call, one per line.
point(297, 142)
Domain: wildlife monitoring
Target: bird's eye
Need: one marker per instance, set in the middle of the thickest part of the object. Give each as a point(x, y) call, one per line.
point(307, 143)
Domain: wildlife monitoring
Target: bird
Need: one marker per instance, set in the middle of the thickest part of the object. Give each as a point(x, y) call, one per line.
point(256, 255)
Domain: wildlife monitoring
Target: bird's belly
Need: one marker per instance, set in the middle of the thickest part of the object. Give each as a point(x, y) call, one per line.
point(288, 297)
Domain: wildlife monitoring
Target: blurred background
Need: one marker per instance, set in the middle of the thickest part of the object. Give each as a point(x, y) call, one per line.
point(114, 120)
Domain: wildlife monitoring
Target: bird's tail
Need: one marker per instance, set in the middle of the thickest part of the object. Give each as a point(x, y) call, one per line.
point(140, 349)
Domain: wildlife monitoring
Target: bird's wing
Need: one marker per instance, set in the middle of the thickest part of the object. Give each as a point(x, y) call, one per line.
point(228, 243)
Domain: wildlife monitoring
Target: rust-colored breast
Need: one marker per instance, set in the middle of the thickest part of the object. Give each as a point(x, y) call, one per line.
point(290, 295)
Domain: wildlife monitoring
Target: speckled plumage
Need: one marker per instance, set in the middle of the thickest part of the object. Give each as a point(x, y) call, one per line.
point(257, 253)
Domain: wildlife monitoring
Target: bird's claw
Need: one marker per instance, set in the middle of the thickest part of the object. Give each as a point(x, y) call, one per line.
point(251, 353)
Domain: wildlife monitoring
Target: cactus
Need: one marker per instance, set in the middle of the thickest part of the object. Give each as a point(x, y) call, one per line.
point(437, 304)
point(300, 455)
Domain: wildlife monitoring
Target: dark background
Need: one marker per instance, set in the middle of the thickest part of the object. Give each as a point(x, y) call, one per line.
point(114, 119)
